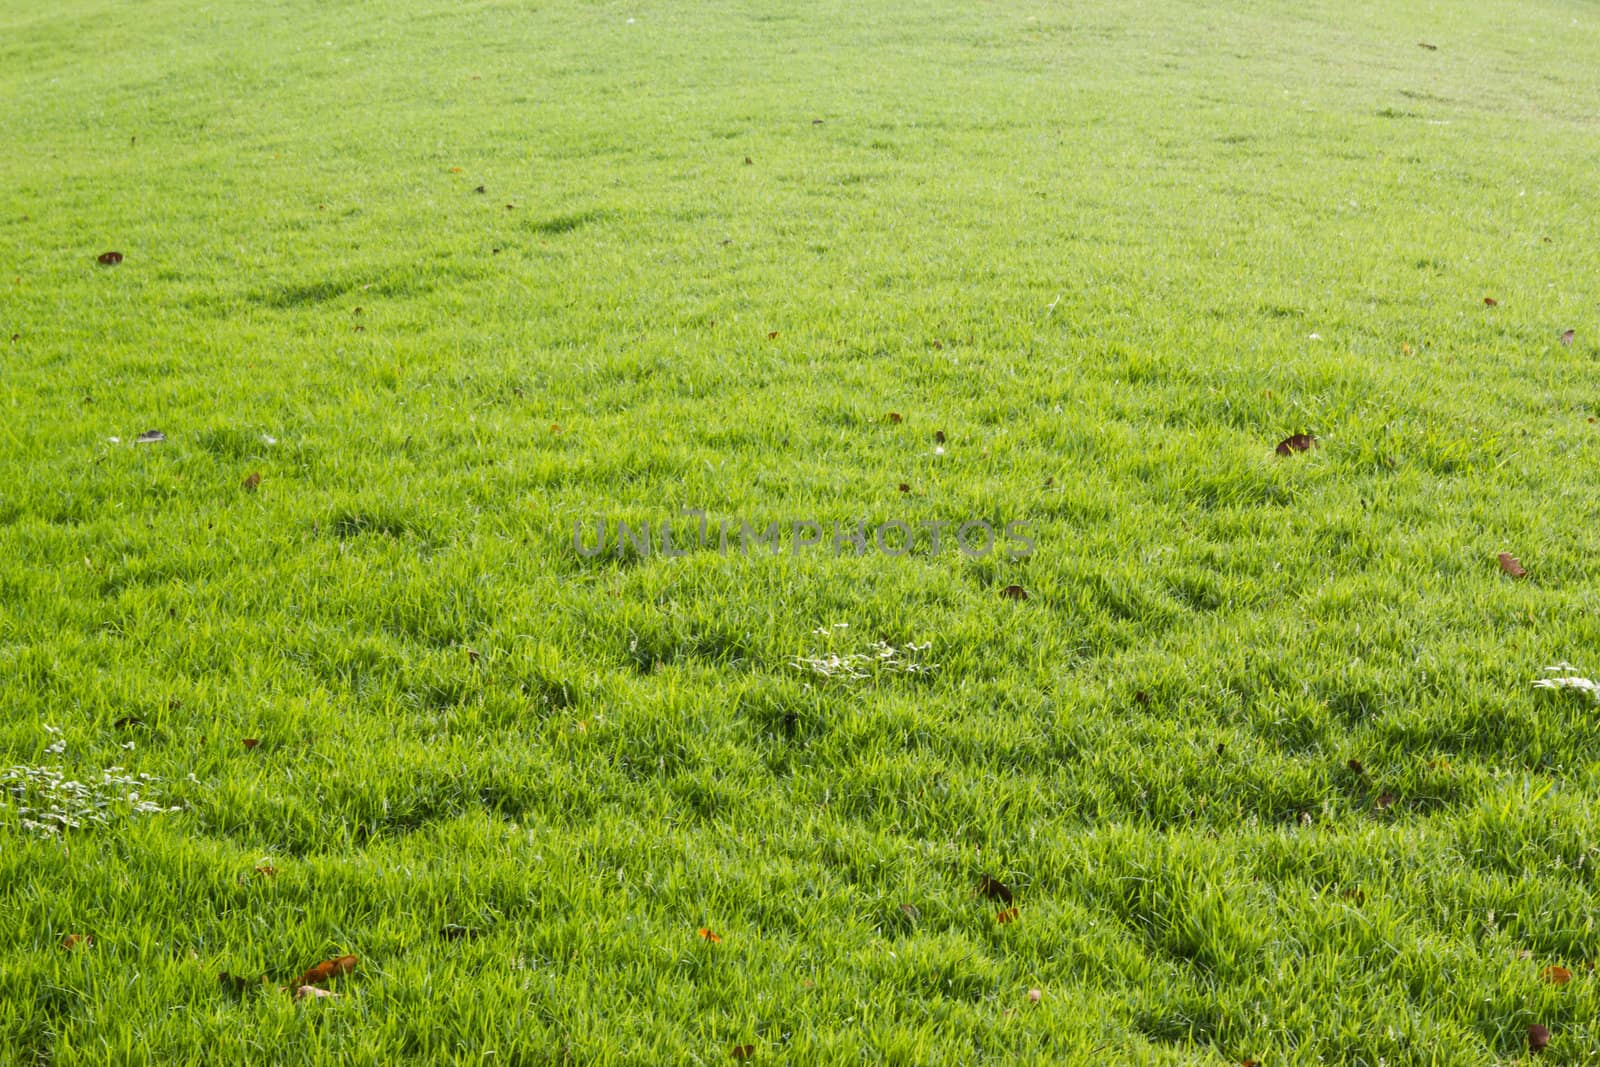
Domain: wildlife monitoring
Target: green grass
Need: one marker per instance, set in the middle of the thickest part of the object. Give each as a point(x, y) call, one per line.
point(1114, 252)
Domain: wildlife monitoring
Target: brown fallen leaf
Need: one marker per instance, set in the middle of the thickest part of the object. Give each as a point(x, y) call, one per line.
point(1142, 698)
point(252, 481)
point(1385, 801)
point(910, 911)
point(1512, 566)
point(904, 488)
point(326, 970)
point(267, 870)
point(993, 888)
point(772, 336)
point(1355, 765)
point(109, 259)
point(1009, 915)
point(707, 934)
point(1490, 302)
point(73, 941)
point(1298, 442)
point(1014, 592)
point(1555, 974)
point(894, 416)
point(938, 437)
point(1567, 337)
point(128, 720)
point(742, 1052)
point(481, 189)
point(1538, 1037)
point(251, 742)
point(748, 161)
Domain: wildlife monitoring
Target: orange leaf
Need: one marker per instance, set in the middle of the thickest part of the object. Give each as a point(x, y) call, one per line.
point(1511, 565)
point(72, 941)
point(1010, 915)
point(267, 870)
point(707, 935)
point(328, 969)
point(1556, 975)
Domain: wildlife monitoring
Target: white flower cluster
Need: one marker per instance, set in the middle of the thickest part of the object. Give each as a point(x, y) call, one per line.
point(47, 802)
point(882, 657)
point(1565, 676)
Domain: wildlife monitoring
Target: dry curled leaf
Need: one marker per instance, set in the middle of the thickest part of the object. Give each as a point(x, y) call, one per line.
point(938, 437)
point(1538, 1037)
point(993, 888)
point(904, 488)
point(1385, 801)
point(109, 259)
point(1014, 592)
point(742, 1052)
point(251, 742)
point(1567, 337)
point(1511, 565)
point(266, 870)
point(1298, 442)
point(72, 941)
point(326, 970)
point(1555, 974)
point(1009, 915)
point(772, 336)
point(707, 934)
point(895, 416)
point(1355, 765)
point(1490, 302)
point(252, 481)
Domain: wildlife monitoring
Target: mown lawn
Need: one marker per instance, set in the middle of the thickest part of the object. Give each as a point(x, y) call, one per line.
point(1254, 772)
